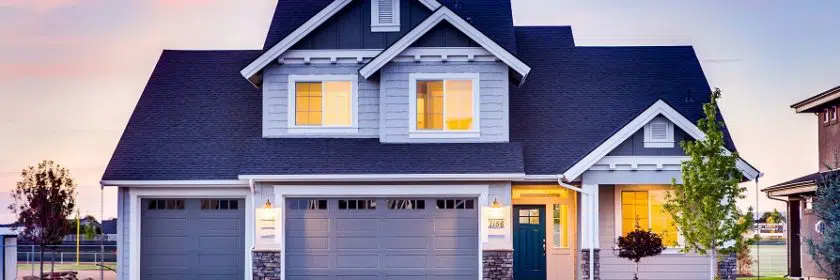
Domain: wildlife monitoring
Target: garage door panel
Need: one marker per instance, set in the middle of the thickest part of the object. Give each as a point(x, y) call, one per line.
point(217, 243)
point(405, 239)
point(219, 261)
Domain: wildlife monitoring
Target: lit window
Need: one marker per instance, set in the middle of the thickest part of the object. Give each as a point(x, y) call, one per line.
point(529, 216)
point(561, 225)
point(445, 105)
point(646, 209)
point(323, 103)
point(809, 203)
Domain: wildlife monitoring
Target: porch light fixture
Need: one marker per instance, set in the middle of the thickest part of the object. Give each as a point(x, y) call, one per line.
point(268, 211)
point(496, 210)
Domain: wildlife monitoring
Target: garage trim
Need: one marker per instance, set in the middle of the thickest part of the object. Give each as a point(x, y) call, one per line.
point(135, 196)
point(282, 192)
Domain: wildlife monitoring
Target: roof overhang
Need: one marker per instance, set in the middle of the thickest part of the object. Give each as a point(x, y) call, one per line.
point(384, 177)
point(792, 189)
point(658, 108)
point(814, 103)
point(252, 71)
point(441, 14)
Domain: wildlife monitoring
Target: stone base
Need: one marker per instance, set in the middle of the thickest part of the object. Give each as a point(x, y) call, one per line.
point(728, 267)
point(584, 264)
point(498, 264)
point(267, 265)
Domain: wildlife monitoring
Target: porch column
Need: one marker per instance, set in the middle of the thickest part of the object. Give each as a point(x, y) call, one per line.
point(590, 233)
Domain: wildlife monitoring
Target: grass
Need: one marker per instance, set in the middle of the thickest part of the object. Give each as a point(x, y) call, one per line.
point(65, 267)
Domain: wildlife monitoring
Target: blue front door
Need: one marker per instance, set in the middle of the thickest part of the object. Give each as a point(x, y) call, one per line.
point(529, 242)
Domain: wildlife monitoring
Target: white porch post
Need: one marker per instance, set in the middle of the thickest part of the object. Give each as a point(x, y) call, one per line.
point(589, 218)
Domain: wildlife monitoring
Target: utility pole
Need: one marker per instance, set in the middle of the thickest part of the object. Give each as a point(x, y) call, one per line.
point(78, 234)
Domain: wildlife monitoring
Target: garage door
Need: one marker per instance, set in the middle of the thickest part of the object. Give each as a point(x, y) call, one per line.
point(384, 238)
point(192, 239)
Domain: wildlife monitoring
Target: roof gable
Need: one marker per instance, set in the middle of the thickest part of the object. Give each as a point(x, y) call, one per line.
point(657, 109)
point(445, 14)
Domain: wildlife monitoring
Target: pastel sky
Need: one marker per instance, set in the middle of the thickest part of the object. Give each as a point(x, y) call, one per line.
point(71, 71)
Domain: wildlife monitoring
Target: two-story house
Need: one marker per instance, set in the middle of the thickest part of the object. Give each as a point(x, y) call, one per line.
point(799, 193)
point(406, 139)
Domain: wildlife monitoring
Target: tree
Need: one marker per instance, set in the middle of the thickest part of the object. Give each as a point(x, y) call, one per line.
point(743, 244)
point(43, 199)
point(825, 248)
point(704, 205)
point(639, 244)
point(773, 217)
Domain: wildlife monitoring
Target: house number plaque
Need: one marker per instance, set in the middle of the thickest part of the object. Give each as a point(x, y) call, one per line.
point(497, 224)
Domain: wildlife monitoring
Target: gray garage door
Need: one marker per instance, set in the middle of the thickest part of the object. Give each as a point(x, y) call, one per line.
point(384, 238)
point(192, 239)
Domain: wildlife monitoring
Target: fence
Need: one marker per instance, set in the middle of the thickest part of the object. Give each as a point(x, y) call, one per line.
point(63, 258)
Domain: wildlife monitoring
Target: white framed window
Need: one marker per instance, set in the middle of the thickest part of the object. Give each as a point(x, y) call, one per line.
point(645, 208)
point(323, 104)
point(444, 105)
point(659, 133)
point(833, 113)
point(825, 116)
point(385, 16)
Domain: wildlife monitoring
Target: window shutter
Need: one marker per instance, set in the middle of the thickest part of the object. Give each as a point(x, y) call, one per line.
point(386, 11)
point(659, 131)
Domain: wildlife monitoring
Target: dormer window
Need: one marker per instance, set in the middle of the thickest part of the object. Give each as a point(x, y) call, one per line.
point(659, 133)
point(323, 104)
point(385, 16)
point(444, 105)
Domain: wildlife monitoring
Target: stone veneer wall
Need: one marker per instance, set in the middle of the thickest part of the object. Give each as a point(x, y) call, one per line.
point(267, 265)
point(498, 264)
point(584, 264)
point(728, 267)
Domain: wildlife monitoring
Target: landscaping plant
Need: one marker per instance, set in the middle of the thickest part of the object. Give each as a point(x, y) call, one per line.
point(43, 199)
point(825, 248)
point(704, 205)
point(638, 244)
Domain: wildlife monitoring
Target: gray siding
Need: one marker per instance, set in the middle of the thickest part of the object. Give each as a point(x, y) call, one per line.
point(635, 145)
point(123, 214)
point(394, 85)
point(663, 267)
point(275, 99)
point(350, 29)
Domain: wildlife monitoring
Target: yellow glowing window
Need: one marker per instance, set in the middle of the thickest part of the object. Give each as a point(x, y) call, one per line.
point(646, 208)
point(561, 225)
point(327, 103)
point(445, 105)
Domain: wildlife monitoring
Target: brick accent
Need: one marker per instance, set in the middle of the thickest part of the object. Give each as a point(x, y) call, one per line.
point(267, 265)
point(728, 267)
point(584, 264)
point(498, 264)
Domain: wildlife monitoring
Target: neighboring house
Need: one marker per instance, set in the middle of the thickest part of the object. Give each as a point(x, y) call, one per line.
point(405, 139)
point(799, 193)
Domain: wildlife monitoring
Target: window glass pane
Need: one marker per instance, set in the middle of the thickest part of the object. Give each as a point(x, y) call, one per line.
point(338, 106)
point(307, 103)
point(459, 105)
point(634, 207)
point(523, 220)
point(234, 204)
point(535, 220)
point(561, 225)
point(661, 221)
point(429, 105)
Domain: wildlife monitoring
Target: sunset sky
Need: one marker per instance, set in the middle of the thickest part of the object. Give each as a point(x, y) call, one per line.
point(71, 71)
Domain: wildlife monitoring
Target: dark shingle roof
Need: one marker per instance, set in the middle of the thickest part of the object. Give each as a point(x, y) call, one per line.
point(368, 156)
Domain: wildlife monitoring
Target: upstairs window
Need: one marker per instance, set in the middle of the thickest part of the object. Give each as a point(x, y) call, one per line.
point(444, 105)
point(833, 112)
point(659, 133)
point(323, 103)
point(825, 116)
point(385, 16)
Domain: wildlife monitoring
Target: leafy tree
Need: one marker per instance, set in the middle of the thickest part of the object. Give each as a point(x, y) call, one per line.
point(704, 205)
point(639, 244)
point(825, 248)
point(773, 217)
point(43, 199)
point(743, 243)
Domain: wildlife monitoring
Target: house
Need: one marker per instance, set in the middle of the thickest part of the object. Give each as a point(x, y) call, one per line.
point(799, 193)
point(405, 139)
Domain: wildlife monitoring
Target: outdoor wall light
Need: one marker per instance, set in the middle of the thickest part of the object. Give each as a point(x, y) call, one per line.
point(496, 210)
point(268, 211)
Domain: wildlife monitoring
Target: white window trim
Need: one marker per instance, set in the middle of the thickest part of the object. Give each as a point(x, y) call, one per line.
point(353, 128)
point(669, 137)
point(825, 116)
point(375, 26)
point(618, 218)
point(413, 132)
point(833, 113)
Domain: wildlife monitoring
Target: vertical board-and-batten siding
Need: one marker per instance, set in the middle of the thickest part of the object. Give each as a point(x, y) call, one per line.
point(662, 267)
point(493, 98)
point(635, 145)
point(276, 99)
point(123, 221)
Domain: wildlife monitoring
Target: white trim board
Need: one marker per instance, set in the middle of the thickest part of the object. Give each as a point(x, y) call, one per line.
point(480, 191)
point(251, 71)
point(135, 196)
point(658, 108)
point(442, 14)
point(383, 177)
point(179, 183)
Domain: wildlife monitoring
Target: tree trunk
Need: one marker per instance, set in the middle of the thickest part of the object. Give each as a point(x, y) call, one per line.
point(714, 264)
point(52, 263)
point(41, 260)
point(636, 273)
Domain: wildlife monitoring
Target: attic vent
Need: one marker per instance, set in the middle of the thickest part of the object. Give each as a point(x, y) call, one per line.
point(659, 133)
point(385, 16)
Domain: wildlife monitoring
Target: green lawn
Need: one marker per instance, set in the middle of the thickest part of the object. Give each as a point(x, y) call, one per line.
point(65, 267)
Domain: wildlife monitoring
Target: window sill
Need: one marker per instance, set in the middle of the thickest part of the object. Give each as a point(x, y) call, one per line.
point(385, 28)
point(659, 144)
point(323, 130)
point(443, 134)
